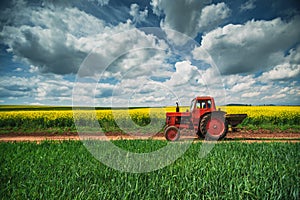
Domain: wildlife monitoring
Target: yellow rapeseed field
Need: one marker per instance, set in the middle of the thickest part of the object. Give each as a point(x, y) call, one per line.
point(265, 111)
point(257, 115)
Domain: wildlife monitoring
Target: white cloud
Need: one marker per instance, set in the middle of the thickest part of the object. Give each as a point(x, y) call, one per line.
point(213, 15)
point(140, 91)
point(33, 69)
point(184, 73)
point(254, 46)
point(136, 54)
point(39, 89)
point(244, 86)
point(17, 87)
point(36, 104)
point(63, 20)
point(138, 16)
point(156, 7)
point(188, 81)
point(250, 94)
point(274, 96)
point(248, 5)
point(283, 71)
point(100, 2)
point(55, 90)
point(239, 83)
point(18, 69)
point(265, 88)
point(290, 68)
point(252, 90)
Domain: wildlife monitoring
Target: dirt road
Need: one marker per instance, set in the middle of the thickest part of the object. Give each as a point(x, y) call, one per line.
point(245, 136)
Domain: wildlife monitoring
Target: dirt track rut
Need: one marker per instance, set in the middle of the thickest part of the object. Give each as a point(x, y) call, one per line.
point(243, 136)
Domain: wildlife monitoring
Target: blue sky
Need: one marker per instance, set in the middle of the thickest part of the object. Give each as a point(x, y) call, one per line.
point(149, 53)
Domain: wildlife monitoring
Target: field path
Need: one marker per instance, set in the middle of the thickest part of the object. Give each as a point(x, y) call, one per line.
point(244, 136)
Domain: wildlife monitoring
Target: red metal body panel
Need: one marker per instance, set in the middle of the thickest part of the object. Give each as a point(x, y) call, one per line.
point(199, 107)
point(178, 119)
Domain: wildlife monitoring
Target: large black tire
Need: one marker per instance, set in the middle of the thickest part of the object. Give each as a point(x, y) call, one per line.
point(199, 133)
point(213, 126)
point(172, 133)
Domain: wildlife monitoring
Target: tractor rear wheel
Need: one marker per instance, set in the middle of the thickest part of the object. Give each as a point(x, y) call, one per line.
point(199, 134)
point(214, 126)
point(172, 133)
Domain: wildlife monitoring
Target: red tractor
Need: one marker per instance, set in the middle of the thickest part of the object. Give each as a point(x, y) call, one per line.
point(203, 118)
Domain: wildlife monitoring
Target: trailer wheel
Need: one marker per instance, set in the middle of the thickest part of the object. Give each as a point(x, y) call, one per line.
point(214, 126)
point(172, 133)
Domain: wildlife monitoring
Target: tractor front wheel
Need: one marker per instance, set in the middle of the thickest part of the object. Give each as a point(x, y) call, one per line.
point(214, 126)
point(172, 133)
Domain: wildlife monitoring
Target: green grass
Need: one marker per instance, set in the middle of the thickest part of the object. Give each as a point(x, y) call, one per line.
point(271, 127)
point(66, 170)
point(271, 123)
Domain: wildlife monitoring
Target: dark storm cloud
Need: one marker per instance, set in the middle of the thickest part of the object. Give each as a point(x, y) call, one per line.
point(190, 16)
point(49, 54)
point(48, 38)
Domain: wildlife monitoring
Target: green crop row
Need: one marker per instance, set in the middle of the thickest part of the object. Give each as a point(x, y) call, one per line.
point(273, 120)
point(66, 170)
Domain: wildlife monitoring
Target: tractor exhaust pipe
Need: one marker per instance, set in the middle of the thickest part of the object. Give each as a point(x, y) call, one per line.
point(177, 107)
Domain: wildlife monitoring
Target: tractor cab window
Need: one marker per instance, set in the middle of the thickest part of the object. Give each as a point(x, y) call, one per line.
point(208, 102)
point(203, 104)
point(200, 104)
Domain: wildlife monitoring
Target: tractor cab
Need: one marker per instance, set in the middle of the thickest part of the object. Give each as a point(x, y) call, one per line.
point(200, 106)
point(203, 103)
